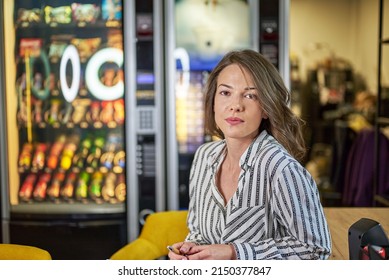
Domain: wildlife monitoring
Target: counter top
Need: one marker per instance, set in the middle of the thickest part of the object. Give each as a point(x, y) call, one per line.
point(341, 218)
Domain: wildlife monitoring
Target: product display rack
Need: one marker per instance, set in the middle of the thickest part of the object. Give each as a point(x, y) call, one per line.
point(68, 140)
point(65, 120)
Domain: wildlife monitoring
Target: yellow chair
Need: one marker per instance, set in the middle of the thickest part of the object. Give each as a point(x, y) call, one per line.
point(160, 230)
point(22, 252)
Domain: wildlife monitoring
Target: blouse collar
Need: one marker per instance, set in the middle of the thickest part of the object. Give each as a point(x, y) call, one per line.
point(248, 157)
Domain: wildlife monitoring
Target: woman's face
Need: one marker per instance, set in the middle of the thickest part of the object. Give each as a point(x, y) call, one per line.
point(238, 112)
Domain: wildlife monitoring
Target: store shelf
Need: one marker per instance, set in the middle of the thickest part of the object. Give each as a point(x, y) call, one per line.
point(66, 208)
point(73, 25)
point(383, 121)
point(381, 200)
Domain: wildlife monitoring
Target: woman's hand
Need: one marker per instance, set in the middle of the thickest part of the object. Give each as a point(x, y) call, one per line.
point(212, 252)
point(183, 248)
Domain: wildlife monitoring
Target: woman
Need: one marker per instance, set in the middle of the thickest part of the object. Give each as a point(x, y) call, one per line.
point(250, 198)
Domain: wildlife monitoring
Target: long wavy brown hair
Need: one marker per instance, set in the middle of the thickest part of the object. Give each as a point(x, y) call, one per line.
point(274, 98)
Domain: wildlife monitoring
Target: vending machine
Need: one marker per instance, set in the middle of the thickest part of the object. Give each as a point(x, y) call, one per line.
point(81, 138)
point(198, 34)
point(101, 110)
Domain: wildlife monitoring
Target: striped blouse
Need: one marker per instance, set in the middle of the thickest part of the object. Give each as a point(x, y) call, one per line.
point(275, 212)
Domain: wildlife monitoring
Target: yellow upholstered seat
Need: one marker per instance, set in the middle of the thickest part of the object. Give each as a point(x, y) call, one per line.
point(22, 252)
point(160, 230)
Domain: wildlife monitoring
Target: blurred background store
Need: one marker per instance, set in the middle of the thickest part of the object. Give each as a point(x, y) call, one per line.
point(101, 110)
point(334, 47)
